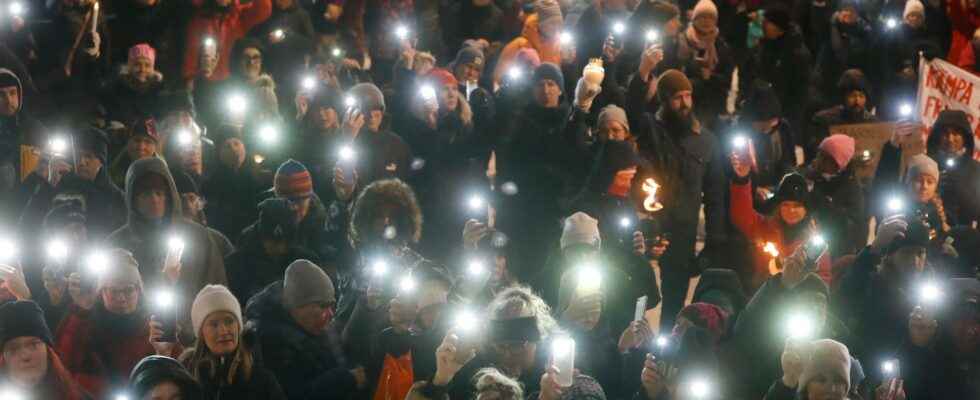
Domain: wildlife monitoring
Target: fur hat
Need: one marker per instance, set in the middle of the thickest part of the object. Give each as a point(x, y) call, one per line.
point(211, 299)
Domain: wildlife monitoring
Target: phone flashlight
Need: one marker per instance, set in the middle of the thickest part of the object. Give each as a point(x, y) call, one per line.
point(97, 263)
point(740, 142)
point(58, 145)
point(619, 28)
point(589, 279)
point(165, 301)
point(11, 393)
point(889, 368)
point(336, 52)
point(895, 204)
point(625, 222)
point(465, 322)
point(652, 35)
point(565, 38)
point(818, 240)
point(308, 82)
point(950, 162)
point(891, 23)
point(278, 34)
point(699, 388)
point(930, 293)
point(184, 137)
point(57, 250)
point(563, 358)
point(866, 155)
point(407, 285)
point(475, 268)
point(661, 342)
point(379, 268)
point(209, 42)
point(905, 110)
point(476, 202)
point(799, 326)
point(514, 73)
point(401, 31)
point(8, 249)
point(121, 397)
point(16, 9)
point(427, 92)
point(175, 244)
point(269, 133)
point(237, 104)
point(347, 153)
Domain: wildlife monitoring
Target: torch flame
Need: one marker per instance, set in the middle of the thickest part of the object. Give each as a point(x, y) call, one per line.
point(770, 249)
point(650, 203)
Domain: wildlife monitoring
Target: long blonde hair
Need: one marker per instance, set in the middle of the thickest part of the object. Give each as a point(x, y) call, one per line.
point(200, 357)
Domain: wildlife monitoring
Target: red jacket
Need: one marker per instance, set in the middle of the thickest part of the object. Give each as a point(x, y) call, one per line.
point(964, 22)
point(226, 29)
point(760, 229)
point(98, 356)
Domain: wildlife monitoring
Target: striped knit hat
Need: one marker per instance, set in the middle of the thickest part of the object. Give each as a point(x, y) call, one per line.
point(293, 180)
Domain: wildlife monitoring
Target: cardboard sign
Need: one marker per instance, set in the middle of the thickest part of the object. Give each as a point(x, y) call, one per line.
point(869, 139)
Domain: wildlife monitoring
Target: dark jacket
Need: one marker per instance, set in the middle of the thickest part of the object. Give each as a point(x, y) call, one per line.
point(822, 121)
point(850, 46)
point(261, 385)
point(102, 200)
point(959, 184)
point(711, 93)
point(250, 269)
point(306, 366)
point(380, 155)
point(128, 101)
point(784, 62)
point(232, 196)
point(839, 205)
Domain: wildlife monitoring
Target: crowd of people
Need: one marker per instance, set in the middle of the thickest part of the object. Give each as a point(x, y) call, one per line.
point(490, 199)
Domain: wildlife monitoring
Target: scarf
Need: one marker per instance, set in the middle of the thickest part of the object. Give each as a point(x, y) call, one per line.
point(704, 42)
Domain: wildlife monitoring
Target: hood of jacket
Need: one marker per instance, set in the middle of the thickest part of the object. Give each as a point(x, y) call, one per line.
point(953, 120)
point(139, 170)
point(20, 86)
point(266, 307)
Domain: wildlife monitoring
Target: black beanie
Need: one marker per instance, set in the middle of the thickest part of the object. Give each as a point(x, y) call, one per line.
point(779, 15)
point(792, 187)
point(853, 80)
point(96, 141)
point(183, 182)
point(275, 220)
point(549, 71)
point(23, 318)
point(154, 370)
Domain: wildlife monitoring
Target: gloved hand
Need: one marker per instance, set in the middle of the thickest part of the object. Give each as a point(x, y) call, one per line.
point(585, 93)
point(889, 230)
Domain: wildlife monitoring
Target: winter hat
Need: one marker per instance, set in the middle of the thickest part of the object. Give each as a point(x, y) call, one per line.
point(184, 182)
point(547, 10)
point(840, 147)
point(853, 80)
point(469, 55)
point(662, 11)
point(306, 283)
point(670, 82)
point(275, 220)
point(442, 77)
point(147, 128)
point(293, 180)
point(23, 318)
point(778, 15)
point(154, 370)
point(211, 299)
point(705, 8)
point(143, 50)
point(707, 316)
point(122, 269)
point(549, 71)
point(369, 96)
point(584, 387)
point(528, 57)
point(721, 287)
point(827, 356)
point(580, 228)
point(762, 103)
point(792, 187)
point(8, 78)
point(613, 113)
point(955, 119)
point(921, 164)
point(913, 6)
point(95, 141)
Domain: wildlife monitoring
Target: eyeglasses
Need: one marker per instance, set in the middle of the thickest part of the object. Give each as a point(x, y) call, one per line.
point(12, 350)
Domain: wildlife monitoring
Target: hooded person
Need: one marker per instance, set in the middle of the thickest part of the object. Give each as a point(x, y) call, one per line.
point(783, 60)
point(135, 94)
point(855, 93)
point(773, 138)
point(220, 359)
point(224, 22)
point(292, 320)
point(837, 197)
point(233, 189)
point(87, 182)
point(786, 229)
point(160, 376)
point(104, 335)
point(143, 141)
point(28, 361)
point(193, 205)
point(155, 216)
point(269, 246)
point(541, 32)
point(951, 145)
point(851, 44)
point(16, 129)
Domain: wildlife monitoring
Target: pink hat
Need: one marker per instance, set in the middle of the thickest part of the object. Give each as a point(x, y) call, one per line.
point(840, 147)
point(143, 50)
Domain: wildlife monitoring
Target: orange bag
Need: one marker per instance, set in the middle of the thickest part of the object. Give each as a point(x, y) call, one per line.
point(396, 378)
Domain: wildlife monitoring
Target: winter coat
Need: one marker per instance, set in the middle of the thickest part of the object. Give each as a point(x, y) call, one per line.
point(775, 153)
point(201, 263)
point(382, 154)
point(318, 233)
point(226, 28)
point(16, 131)
point(822, 121)
point(419, 346)
point(260, 386)
point(306, 366)
point(964, 22)
point(784, 62)
point(850, 46)
point(464, 21)
point(711, 93)
point(959, 185)
point(759, 336)
point(938, 370)
point(761, 229)
point(232, 196)
point(548, 49)
point(101, 348)
point(250, 269)
point(839, 205)
point(128, 101)
point(689, 168)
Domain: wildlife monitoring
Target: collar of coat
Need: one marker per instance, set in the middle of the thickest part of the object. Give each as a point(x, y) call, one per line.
point(661, 117)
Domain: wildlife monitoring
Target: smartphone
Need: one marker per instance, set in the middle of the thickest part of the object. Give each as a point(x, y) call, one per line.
point(563, 358)
point(168, 318)
point(641, 308)
point(816, 246)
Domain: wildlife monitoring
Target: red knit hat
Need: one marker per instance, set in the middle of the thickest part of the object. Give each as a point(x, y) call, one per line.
point(143, 50)
point(293, 180)
point(442, 77)
point(707, 316)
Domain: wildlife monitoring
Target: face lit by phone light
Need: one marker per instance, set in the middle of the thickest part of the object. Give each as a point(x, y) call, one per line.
point(25, 363)
point(120, 296)
point(792, 212)
point(923, 187)
point(220, 332)
point(547, 93)
point(89, 166)
point(906, 261)
point(826, 385)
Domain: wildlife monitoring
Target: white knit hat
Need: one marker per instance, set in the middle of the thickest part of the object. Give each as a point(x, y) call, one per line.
point(913, 6)
point(827, 356)
point(211, 299)
point(705, 7)
point(580, 228)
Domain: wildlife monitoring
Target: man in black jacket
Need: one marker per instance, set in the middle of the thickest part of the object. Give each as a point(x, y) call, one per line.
point(292, 321)
point(686, 162)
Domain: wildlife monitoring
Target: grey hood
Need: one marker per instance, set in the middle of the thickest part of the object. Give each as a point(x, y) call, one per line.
point(20, 86)
point(137, 171)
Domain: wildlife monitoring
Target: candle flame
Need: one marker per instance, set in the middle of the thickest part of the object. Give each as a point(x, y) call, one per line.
point(770, 249)
point(650, 203)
